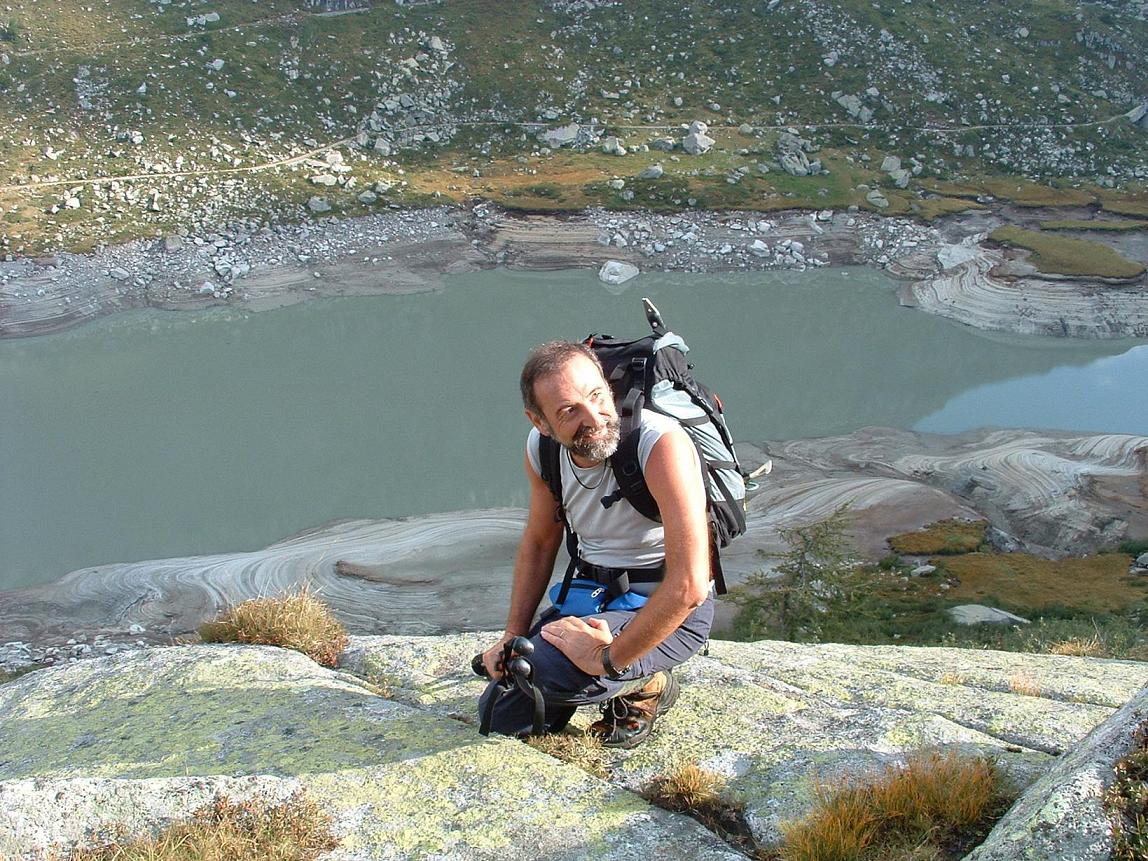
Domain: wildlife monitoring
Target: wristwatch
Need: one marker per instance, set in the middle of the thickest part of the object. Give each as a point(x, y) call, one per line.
point(613, 673)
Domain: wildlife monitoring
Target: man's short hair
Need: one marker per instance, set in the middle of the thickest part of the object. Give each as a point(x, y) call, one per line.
point(547, 359)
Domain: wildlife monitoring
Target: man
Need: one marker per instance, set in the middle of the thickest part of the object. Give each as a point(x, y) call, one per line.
point(618, 658)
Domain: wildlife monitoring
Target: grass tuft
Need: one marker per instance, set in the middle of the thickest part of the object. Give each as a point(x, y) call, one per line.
point(583, 750)
point(943, 537)
point(224, 830)
point(296, 620)
point(935, 806)
point(699, 793)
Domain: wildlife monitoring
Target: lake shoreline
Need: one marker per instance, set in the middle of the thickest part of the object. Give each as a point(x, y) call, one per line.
point(947, 268)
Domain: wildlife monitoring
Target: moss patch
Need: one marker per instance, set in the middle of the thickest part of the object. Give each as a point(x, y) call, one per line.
point(1062, 255)
point(1030, 584)
point(944, 536)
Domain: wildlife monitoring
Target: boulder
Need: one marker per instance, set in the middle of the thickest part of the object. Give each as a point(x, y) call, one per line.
point(877, 199)
point(900, 177)
point(318, 204)
point(663, 144)
point(1138, 116)
point(890, 163)
point(368, 198)
point(654, 171)
point(794, 163)
point(560, 136)
point(617, 272)
point(613, 146)
point(697, 143)
point(923, 571)
point(1142, 560)
point(1063, 814)
point(979, 614)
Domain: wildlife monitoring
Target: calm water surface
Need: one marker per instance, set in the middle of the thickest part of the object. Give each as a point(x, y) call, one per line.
point(162, 434)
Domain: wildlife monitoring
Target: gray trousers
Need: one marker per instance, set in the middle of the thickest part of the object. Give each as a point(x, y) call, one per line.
point(565, 687)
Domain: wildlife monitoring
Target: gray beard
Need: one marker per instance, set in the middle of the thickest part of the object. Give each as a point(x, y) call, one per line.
point(600, 447)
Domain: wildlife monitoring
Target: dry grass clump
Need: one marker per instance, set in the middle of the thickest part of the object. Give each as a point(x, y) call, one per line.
point(699, 793)
point(224, 830)
point(942, 537)
point(1079, 647)
point(935, 807)
point(1067, 256)
point(583, 750)
point(1097, 583)
point(297, 620)
point(1025, 685)
point(1127, 802)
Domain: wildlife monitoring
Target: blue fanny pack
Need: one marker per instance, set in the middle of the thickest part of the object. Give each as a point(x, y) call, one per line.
point(586, 597)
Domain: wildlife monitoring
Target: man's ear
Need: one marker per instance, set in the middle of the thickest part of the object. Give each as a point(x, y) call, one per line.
point(540, 424)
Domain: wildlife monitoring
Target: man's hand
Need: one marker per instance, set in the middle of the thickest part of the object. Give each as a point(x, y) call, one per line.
point(492, 657)
point(580, 640)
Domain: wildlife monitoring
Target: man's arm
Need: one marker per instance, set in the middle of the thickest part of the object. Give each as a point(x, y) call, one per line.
point(533, 565)
point(674, 477)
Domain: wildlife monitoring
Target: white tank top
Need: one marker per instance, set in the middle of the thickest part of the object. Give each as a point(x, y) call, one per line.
point(617, 537)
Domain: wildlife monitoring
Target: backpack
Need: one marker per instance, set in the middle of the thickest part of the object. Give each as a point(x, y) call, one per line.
point(652, 373)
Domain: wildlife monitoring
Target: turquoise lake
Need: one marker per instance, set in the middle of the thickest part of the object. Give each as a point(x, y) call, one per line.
point(157, 434)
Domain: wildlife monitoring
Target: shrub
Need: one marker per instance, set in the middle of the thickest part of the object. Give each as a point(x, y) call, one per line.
point(295, 830)
point(942, 801)
point(296, 620)
point(1127, 802)
point(1134, 547)
point(9, 32)
point(818, 580)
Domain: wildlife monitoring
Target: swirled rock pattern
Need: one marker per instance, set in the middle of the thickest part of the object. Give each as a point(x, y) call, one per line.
point(968, 291)
point(1052, 493)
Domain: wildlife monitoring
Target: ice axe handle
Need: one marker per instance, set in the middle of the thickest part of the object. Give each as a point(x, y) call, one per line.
point(653, 316)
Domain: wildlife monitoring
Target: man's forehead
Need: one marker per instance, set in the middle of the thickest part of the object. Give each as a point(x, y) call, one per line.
point(577, 375)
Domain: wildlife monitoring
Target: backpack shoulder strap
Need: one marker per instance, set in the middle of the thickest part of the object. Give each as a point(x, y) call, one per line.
point(550, 468)
point(627, 469)
point(550, 471)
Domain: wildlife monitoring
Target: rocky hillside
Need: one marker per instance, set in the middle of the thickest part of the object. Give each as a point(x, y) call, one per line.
point(388, 744)
point(121, 117)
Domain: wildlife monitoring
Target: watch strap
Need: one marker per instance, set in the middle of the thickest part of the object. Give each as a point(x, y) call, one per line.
point(612, 672)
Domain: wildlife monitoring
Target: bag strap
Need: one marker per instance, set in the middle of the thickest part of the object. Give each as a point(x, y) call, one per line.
point(550, 470)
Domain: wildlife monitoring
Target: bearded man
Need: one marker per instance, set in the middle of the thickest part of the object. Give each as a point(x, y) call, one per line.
point(620, 659)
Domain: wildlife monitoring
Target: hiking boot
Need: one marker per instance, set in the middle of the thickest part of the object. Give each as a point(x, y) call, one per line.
point(628, 720)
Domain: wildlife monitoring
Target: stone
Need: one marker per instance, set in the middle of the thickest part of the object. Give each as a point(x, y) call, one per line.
point(368, 197)
point(697, 143)
point(890, 163)
point(923, 571)
point(654, 171)
point(318, 204)
point(326, 179)
point(119, 273)
point(900, 177)
point(663, 144)
point(759, 248)
point(877, 199)
point(1138, 116)
point(436, 45)
point(172, 243)
point(561, 136)
point(216, 65)
point(617, 184)
point(697, 127)
point(1062, 815)
point(745, 129)
point(613, 146)
point(617, 272)
point(1142, 560)
point(979, 614)
point(794, 163)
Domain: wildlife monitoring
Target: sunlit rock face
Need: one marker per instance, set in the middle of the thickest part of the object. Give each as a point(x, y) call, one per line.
point(389, 747)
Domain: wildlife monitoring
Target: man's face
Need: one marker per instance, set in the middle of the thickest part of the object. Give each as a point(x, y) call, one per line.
point(578, 411)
